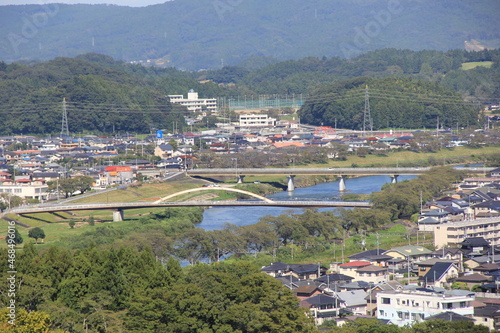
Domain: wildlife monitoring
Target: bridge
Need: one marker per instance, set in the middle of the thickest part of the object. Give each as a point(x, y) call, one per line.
point(118, 208)
point(341, 173)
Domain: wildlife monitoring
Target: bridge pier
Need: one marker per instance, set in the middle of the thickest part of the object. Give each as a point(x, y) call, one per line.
point(240, 179)
point(118, 215)
point(394, 179)
point(291, 184)
point(342, 186)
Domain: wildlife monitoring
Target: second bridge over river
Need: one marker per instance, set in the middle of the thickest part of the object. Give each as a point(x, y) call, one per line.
point(341, 173)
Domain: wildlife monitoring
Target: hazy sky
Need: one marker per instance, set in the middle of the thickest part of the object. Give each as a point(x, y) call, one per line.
point(132, 3)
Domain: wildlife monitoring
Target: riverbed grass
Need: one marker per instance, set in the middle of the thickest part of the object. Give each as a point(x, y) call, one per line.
point(409, 158)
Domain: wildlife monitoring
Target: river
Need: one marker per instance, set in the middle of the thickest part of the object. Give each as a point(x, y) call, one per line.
point(215, 218)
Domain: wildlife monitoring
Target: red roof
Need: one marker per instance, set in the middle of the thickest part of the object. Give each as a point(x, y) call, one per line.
point(24, 180)
point(357, 263)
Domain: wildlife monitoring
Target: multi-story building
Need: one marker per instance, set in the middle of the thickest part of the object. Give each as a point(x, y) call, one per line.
point(454, 233)
point(411, 306)
point(256, 120)
point(193, 103)
point(26, 188)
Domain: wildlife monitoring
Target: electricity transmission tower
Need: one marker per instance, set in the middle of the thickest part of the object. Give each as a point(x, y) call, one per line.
point(367, 119)
point(64, 125)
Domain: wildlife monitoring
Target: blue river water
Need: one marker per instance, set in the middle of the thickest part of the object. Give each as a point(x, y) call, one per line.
point(215, 218)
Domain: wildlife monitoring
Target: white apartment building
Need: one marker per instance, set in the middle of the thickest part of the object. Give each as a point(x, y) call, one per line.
point(256, 120)
point(454, 233)
point(193, 103)
point(411, 306)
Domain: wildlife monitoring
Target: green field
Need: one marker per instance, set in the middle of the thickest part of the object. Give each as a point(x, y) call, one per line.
point(470, 65)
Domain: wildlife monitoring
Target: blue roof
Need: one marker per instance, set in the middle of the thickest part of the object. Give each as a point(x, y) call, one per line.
point(437, 271)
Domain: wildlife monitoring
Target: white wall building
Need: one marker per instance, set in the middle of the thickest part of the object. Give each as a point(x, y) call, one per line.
point(256, 120)
point(411, 306)
point(193, 103)
point(27, 190)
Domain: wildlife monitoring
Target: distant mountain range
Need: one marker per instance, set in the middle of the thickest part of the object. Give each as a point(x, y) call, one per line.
point(196, 34)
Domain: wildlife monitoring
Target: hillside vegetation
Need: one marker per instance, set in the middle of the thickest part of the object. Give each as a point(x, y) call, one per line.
point(197, 34)
point(105, 95)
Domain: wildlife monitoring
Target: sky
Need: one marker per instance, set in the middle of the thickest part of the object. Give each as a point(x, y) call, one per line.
point(131, 3)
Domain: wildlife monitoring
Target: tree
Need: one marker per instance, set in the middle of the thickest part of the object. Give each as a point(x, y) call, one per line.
point(8, 200)
point(72, 223)
point(17, 238)
point(83, 183)
point(34, 321)
point(36, 233)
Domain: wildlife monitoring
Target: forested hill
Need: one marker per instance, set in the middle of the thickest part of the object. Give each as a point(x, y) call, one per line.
point(393, 102)
point(105, 95)
point(102, 95)
point(302, 75)
point(195, 34)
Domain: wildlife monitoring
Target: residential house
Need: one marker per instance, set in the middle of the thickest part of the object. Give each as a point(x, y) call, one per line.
point(356, 285)
point(331, 282)
point(306, 271)
point(322, 307)
point(475, 245)
point(474, 279)
point(46, 176)
point(439, 215)
point(411, 253)
point(289, 281)
point(354, 300)
point(488, 315)
point(276, 269)
point(299, 271)
point(486, 268)
point(306, 291)
point(374, 257)
point(414, 305)
point(440, 275)
point(449, 253)
point(372, 274)
point(495, 173)
point(474, 262)
point(476, 182)
point(425, 266)
point(164, 151)
point(371, 297)
point(350, 268)
point(487, 209)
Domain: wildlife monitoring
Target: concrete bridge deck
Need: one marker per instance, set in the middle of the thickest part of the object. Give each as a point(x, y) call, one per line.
point(118, 208)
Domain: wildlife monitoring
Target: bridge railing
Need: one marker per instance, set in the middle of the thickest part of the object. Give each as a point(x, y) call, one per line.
point(132, 205)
